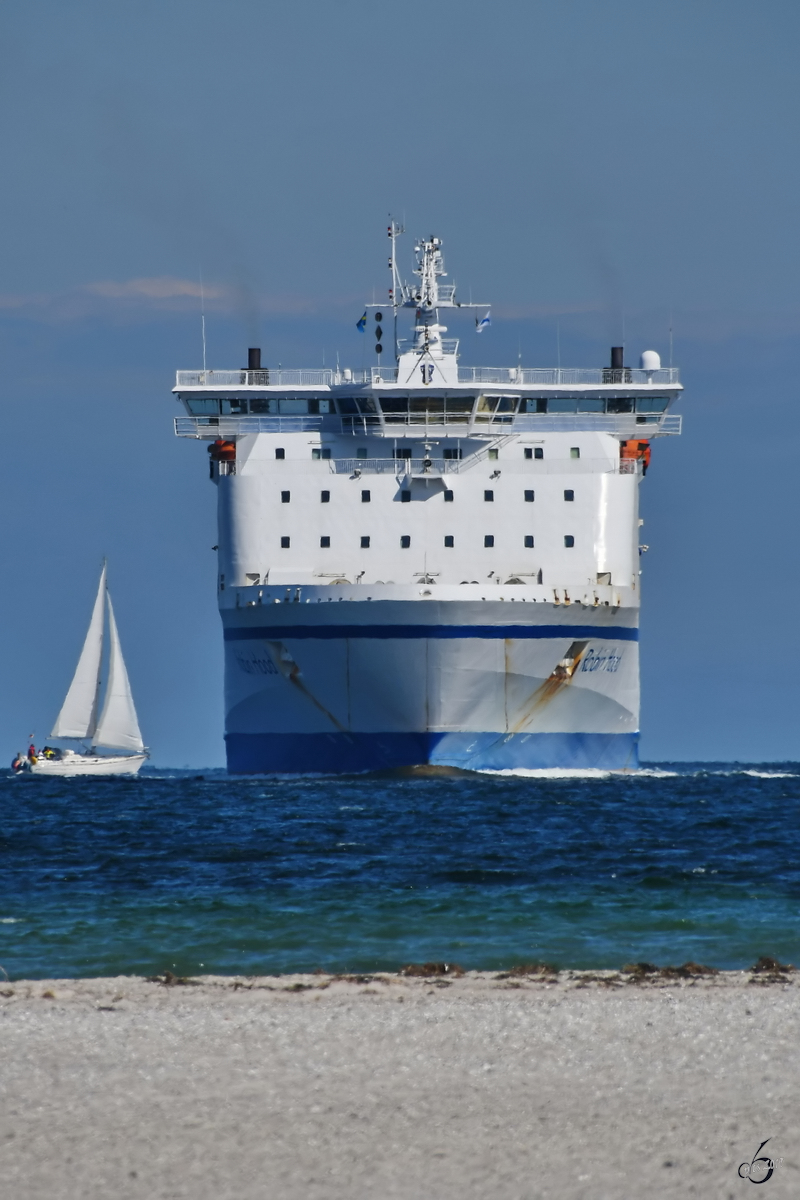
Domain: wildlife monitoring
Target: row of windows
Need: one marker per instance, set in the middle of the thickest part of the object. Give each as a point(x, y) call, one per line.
point(449, 542)
point(448, 452)
point(405, 496)
point(400, 409)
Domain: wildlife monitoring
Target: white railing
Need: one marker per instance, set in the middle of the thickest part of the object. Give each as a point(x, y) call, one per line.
point(228, 427)
point(517, 466)
point(272, 377)
point(569, 376)
point(395, 466)
point(496, 376)
point(626, 425)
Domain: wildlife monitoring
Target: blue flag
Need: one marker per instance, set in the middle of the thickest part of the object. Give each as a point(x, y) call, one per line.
point(362, 324)
point(484, 324)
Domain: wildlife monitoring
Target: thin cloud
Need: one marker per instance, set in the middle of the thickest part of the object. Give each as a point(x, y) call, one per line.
point(132, 299)
point(162, 287)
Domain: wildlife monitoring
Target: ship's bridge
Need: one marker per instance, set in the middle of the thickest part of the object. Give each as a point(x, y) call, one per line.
point(476, 401)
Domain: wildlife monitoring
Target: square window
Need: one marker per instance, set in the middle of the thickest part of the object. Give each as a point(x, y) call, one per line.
point(569, 541)
point(365, 497)
point(449, 542)
point(538, 452)
point(489, 539)
point(488, 496)
point(324, 497)
point(494, 453)
point(529, 497)
point(325, 543)
point(405, 497)
point(528, 541)
point(405, 542)
point(280, 452)
point(575, 452)
point(448, 497)
point(452, 452)
point(569, 494)
point(285, 497)
point(285, 543)
point(361, 452)
point(316, 453)
point(326, 452)
point(403, 452)
point(529, 451)
point(365, 543)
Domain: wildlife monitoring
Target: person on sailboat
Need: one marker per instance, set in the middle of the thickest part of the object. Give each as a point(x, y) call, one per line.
point(32, 753)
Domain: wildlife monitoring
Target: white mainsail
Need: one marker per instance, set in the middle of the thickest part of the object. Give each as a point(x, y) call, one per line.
point(118, 727)
point(78, 716)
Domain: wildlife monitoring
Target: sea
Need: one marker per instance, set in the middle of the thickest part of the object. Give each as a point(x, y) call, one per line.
point(201, 873)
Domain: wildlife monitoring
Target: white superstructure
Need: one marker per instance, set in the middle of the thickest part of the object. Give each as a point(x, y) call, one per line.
point(375, 527)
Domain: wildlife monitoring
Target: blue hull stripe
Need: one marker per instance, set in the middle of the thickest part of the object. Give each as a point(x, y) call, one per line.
point(327, 632)
point(336, 753)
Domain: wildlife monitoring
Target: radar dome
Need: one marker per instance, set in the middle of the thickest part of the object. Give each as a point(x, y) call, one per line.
point(650, 360)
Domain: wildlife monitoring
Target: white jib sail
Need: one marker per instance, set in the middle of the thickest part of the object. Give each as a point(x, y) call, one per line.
point(118, 727)
point(78, 716)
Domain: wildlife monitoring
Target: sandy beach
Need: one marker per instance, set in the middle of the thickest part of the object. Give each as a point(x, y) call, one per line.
point(484, 1084)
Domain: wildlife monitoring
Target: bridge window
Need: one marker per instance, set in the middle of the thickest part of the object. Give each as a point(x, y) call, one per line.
point(488, 496)
point(405, 542)
point(280, 452)
point(569, 541)
point(321, 453)
point(494, 453)
point(448, 497)
point(449, 542)
point(452, 452)
point(285, 497)
point(403, 452)
point(285, 543)
point(361, 452)
point(652, 404)
point(405, 497)
point(365, 497)
point(529, 497)
point(575, 452)
point(365, 543)
point(489, 539)
point(203, 406)
point(569, 494)
point(528, 541)
point(538, 452)
point(325, 543)
point(324, 497)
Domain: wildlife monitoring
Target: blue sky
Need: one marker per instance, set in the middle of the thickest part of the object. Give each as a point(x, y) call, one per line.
point(592, 166)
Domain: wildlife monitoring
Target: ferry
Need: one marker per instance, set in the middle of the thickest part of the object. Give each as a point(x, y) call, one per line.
point(427, 562)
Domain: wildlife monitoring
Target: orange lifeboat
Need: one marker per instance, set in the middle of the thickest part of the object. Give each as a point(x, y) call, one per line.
point(635, 449)
point(222, 451)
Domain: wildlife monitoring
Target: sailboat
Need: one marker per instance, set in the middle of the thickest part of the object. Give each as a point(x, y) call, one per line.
point(117, 726)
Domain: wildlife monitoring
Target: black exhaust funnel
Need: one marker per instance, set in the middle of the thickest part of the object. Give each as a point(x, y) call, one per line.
point(616, 357)
point(254, 358)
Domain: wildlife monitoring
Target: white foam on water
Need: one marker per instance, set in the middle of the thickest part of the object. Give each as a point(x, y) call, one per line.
point(768, 774)
point(9, 920)
point(553, 772)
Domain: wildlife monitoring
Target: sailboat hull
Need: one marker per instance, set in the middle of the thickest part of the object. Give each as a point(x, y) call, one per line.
point(88, 764)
